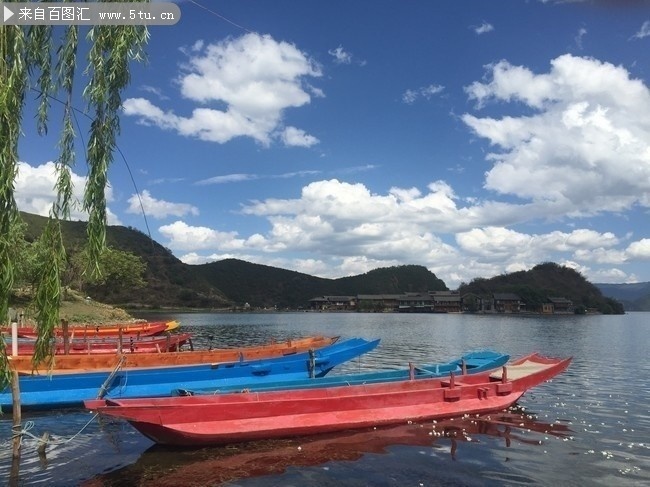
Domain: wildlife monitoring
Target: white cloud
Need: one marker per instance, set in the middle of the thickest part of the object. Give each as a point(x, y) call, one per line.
point(155, 91)
point(190, 238)
point(255, 77)
point(352, 230)
point(228, 178)
point(484, 28)
point(158, 208)
point(340, 55)
point(640, 249)
point(519, 250)
point(238, 178)
point(643, 32)
point(410, 96)
point(35, 192)
point(578, 38)
point(585, 150)
point(349, 230)
point(294, 137)
point(612, 275)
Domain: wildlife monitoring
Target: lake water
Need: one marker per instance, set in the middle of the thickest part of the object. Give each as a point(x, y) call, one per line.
point(589, 426)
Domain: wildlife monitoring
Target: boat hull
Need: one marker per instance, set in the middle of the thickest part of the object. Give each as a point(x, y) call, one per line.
point(109, 345)
point(221, 419)
point(126, 330)
point(107, 362)
point(69, 390)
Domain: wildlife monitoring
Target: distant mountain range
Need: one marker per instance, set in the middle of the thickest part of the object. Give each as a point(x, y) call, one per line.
point(634, 297)
point(230, 283)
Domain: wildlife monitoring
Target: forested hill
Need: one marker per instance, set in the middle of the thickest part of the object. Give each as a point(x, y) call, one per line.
point(227, 283)
point(546, 280)
point(265, 286)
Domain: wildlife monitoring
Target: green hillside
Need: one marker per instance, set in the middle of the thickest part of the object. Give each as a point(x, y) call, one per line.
point(546, 280)
point(169, 282)
point(269, 287)
point(228, 283)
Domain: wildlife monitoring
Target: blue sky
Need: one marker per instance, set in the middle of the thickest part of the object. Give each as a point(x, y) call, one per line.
point(472, 137)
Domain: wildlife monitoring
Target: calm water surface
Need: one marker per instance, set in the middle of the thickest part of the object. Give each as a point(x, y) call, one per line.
point(589, 426)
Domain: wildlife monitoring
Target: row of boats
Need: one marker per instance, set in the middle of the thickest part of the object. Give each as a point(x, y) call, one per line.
point(280, 389)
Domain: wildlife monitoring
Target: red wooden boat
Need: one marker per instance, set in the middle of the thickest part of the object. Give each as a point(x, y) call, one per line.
point(107, 362)
point(220, 419)
point(126, 330)
point(148, 344)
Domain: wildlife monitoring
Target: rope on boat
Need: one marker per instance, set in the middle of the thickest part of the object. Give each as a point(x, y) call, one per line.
point(104, 388)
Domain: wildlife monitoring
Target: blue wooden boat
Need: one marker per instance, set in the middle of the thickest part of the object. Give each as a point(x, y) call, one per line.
point(470, 363)
point(72, 389)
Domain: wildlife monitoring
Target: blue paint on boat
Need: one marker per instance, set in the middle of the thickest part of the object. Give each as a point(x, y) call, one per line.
point(71, 389)
point(475, 362)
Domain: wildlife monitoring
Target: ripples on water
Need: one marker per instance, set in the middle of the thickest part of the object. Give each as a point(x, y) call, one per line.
point(588, 426)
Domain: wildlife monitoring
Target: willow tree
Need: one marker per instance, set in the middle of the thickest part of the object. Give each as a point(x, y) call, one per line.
point(38, 60)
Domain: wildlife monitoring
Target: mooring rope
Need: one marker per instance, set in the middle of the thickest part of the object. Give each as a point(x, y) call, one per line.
point(104, 388)
point(29, 425)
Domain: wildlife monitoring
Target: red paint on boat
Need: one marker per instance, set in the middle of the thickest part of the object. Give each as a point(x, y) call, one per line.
point(219, 419)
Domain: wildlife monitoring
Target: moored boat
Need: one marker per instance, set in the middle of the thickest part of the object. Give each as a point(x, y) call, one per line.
point(470, 363)
point(125, 330)
point(219, 419)
point(147, 344)
point(107, 362)
point(71, 389)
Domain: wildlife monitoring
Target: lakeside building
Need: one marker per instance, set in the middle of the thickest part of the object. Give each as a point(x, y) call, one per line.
point(437, 302)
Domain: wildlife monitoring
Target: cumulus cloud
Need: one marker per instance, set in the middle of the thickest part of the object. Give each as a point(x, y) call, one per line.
point(353, 230)
point(193, 238)
point(158, 208)
point(574, 142)
point(251, 79)
point(584, 150)
point(35, 192)
point(639, 250)
point(294, 137)
point(498, 244)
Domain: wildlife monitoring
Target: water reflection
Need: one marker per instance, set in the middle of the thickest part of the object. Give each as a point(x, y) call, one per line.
point(218, 465)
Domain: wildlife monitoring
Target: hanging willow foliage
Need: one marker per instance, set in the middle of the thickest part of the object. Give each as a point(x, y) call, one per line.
point(112, 49)
point(26, 54)
point(13, 83)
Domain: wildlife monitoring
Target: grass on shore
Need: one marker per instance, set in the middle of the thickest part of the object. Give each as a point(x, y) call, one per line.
point(76, 309)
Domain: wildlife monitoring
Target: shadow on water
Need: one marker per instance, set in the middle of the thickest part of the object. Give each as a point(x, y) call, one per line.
point(220, 465)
